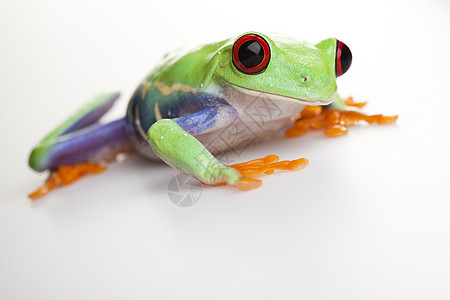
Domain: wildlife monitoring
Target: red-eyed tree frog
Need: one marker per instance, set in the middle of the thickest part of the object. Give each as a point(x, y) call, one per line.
point(214, 98)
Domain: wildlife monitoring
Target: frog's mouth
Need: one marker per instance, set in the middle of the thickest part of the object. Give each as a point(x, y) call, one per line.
point(278, 97)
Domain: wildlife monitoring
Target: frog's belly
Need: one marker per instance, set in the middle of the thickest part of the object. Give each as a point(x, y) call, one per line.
point(238, 136)
point(259, 119)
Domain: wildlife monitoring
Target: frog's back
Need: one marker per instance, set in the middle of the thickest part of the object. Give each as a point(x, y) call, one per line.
point(180, 78)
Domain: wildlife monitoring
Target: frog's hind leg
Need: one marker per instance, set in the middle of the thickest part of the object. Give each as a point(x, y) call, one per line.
point(335, 118)
point(75, 154)
point(89, 114)
point(80, 145)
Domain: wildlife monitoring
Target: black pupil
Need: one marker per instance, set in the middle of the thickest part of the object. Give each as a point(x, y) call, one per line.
point(346, 58)
point(251, 54)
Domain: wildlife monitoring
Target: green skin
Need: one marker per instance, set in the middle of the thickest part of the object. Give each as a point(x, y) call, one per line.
point(290, 62)
point(297, 71)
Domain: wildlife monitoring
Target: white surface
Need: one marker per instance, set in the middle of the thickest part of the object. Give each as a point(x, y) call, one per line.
point(367, 219)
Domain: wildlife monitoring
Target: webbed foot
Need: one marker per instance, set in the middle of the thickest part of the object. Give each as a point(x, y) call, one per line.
point(266, 165)
point(335, 121)
point(65, 175)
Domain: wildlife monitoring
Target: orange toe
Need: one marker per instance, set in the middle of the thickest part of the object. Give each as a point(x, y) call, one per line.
point(334, 121)
point(267, 165)
point(247, 184)
point(350, 102)
point(65, 175)
point(336, 131)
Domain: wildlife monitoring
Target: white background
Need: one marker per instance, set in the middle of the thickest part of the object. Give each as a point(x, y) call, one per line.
point(367, 219)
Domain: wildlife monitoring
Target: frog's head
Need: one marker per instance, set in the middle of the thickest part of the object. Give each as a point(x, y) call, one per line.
point(284, 68)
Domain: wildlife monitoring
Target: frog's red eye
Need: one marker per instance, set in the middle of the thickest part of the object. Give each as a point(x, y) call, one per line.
point(343, 58)
point(251, 54)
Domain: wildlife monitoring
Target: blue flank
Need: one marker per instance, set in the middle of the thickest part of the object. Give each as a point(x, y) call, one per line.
point(201, 112)
point(200, 121)
point(95, 143)
point(195, 112)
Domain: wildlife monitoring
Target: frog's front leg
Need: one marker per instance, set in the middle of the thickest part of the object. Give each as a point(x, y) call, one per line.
point(335, 118)
point(172, 141)
point(184, 152)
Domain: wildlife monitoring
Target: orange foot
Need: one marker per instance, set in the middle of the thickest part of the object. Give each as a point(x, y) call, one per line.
point(334, 121)
point(65, 175)
point(266, 165)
